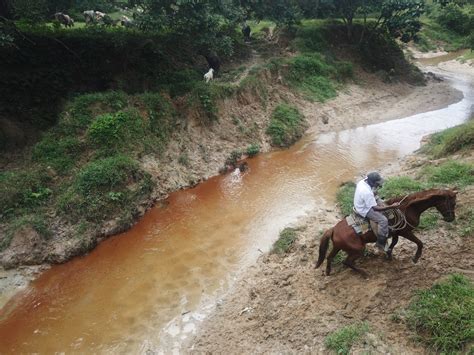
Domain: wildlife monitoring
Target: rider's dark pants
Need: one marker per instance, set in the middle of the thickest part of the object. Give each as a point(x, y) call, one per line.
point(382, 222)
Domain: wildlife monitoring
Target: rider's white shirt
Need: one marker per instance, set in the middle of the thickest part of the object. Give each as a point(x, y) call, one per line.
point(364, 198)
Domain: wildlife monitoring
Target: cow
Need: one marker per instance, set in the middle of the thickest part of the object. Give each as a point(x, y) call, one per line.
point(64, 19)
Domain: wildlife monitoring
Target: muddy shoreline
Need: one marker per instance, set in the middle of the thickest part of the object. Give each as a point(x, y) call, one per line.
point(283, 305)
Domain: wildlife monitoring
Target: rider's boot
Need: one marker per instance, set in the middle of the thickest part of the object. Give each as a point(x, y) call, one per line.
point(381, 242)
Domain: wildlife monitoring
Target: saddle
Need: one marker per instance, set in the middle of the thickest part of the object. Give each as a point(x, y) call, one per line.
point(362, 225)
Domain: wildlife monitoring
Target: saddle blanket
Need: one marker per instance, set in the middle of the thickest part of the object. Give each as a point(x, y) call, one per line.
point(358, 223)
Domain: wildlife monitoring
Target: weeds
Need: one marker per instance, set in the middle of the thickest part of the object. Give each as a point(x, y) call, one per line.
point(106, 173)
point(285, 241)
point(450, 173)
point(342, 340)
point(253, 150)
point(23, 190)
point(400, 186)
point(443, 316)
point(345, 197)
point(287, 125)
point(450, 140)
point(104, 188)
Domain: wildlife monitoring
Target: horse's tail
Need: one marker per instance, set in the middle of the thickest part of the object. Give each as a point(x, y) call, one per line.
point(323, 246)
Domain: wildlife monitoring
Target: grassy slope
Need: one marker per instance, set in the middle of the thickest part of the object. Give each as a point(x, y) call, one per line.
point(86, 170)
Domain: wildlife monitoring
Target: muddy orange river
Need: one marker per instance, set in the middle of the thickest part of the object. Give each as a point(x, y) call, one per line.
point(148, 289)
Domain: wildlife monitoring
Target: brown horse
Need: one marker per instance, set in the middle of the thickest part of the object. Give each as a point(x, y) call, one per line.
point(412, 206)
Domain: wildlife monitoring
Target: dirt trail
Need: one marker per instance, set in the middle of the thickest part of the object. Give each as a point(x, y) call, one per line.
point(283, 305)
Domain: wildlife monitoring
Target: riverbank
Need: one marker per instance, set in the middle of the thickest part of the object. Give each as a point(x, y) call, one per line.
point(368, 101)
point(283, 305)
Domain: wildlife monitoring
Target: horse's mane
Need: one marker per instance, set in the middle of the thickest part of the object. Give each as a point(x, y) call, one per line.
point(421, 196)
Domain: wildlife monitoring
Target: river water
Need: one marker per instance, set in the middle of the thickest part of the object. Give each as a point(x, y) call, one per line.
point(149, 288)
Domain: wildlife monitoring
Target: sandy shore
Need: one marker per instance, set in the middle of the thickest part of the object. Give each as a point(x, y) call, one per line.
point(283, 305)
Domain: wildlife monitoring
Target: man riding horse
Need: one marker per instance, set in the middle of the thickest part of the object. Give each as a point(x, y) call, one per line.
point(365, 204)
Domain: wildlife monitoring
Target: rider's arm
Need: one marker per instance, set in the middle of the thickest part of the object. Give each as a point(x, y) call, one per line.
point(392, 206)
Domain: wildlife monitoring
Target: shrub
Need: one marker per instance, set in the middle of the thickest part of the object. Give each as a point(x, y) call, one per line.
point(312, 75)
point(285, 241)
point(253, 150)
point(235, 155)
point(342, 340)
point(443, 316)
point(453, 18)
point(105, 188)
point(106, 174)
point(310, 39)
point(112, 132)
point(23, 189)
point(206, 97)
point(287, 125)
point(83, 108)
point(345, 197)
point(59, 153)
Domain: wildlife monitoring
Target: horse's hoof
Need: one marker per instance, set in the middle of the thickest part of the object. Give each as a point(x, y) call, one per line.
point(415, 260)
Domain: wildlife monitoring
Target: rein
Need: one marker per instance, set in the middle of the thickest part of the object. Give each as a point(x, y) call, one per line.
point(400, 219)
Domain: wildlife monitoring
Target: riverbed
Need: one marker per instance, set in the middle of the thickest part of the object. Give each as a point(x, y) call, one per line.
point(150, 288)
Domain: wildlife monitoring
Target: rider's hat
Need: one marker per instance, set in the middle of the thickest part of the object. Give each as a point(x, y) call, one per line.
point(374, 178)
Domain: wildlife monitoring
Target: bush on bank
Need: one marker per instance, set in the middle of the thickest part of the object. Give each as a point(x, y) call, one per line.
point(286, 126)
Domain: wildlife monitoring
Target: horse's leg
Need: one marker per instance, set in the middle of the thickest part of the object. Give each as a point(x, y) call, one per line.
point(350, 260)
point(331, 256)
point(410, 236)
point(392, 245)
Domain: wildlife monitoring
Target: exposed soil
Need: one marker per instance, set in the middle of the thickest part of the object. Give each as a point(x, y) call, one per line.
point(283, 305)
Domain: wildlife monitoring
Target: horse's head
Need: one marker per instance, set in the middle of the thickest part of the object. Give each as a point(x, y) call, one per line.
point(446, 205)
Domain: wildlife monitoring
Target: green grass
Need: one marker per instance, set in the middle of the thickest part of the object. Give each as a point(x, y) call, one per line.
point(60, 153)
point(253, 150)
point(315, 76)
point(451, 140)
point(400, 186)
point(433, 35)
point(286, 126)
point(343, 339)
point(24, 191)
point(345, 197)
point(443, 316)
point(451, 173)
point(85, 169)
point(285, 241)
point(104, 188)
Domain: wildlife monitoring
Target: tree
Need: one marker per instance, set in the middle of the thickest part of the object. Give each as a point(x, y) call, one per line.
point(282, 12)
point(400, 18)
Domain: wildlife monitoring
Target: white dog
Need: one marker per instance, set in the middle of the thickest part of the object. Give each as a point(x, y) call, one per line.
point(209, 75)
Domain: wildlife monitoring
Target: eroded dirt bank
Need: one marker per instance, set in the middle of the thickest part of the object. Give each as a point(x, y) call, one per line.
point(283, 305)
